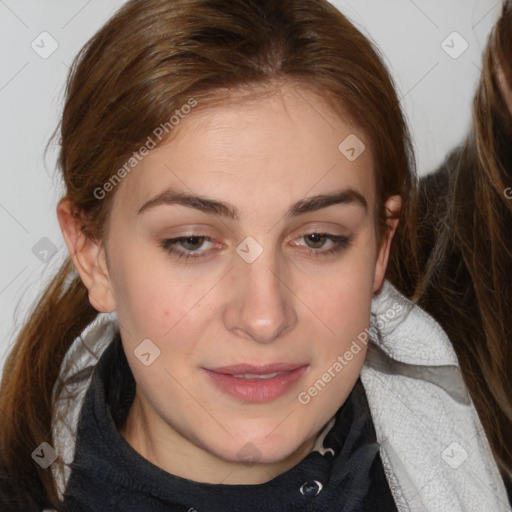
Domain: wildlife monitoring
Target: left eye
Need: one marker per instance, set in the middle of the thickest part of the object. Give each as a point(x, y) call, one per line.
point(317, 240)
point(189, 243)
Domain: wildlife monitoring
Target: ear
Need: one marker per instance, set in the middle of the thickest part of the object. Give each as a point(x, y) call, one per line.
point(88, 256)
point(393, 206)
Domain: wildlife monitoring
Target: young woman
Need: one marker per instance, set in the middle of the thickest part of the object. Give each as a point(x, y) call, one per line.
point(465, 226)
point(222, 336)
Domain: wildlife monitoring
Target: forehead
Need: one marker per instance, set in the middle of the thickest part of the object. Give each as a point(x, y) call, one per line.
point(279, 147)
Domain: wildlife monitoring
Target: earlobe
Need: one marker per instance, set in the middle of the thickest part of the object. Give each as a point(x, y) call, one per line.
point(393, 208)
point(88, 256)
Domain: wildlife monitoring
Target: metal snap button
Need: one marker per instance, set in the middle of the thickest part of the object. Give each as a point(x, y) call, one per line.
point(311, 488)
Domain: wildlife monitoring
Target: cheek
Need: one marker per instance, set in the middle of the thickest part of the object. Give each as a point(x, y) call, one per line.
point(344, 309)
point(342, 301)
point(155, 298)
point(143, 298)
point(341, 295)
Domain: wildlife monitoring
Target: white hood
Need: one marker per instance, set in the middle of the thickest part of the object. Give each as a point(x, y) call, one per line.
point(433, 447)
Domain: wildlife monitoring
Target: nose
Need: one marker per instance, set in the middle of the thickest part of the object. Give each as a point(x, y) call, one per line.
point(260, 306)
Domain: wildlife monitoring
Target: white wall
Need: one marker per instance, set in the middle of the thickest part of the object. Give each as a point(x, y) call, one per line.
point(436, 90)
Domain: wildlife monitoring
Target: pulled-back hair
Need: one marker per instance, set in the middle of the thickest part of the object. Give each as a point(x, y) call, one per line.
point(145, 63)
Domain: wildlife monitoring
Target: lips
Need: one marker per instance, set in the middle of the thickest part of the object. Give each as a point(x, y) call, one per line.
point(251, 383)
point(265, 369)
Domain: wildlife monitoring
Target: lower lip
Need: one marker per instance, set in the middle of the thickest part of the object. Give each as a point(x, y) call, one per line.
point(257, 390)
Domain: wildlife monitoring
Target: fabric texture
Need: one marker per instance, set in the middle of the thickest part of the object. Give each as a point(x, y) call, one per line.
point(434, 452)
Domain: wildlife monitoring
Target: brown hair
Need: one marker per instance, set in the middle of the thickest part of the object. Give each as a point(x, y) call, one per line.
point(465, 231)
point(150, 58)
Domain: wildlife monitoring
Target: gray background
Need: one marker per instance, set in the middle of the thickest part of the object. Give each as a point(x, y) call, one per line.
point(436, 90)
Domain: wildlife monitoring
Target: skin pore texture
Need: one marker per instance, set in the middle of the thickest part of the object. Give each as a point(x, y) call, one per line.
point(295, 303)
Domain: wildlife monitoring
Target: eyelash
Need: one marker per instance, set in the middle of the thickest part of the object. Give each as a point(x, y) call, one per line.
point(340, 242)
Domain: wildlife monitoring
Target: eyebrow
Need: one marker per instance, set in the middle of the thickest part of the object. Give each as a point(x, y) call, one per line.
point(212, 206)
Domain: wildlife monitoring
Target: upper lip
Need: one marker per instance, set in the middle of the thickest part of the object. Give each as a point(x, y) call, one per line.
point(257, 369)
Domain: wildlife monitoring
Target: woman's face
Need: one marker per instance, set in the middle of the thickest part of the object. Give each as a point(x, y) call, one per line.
point(245, 250)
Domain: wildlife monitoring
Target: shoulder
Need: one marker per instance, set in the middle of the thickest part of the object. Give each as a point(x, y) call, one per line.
point(435, 194)
point(432, 441)
point(18, 494)
point(435, 185)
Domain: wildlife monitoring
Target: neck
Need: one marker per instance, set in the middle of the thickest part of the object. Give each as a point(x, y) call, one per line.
point(155, 440)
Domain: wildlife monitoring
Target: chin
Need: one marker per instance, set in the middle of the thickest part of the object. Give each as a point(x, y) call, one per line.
point(263, 450)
